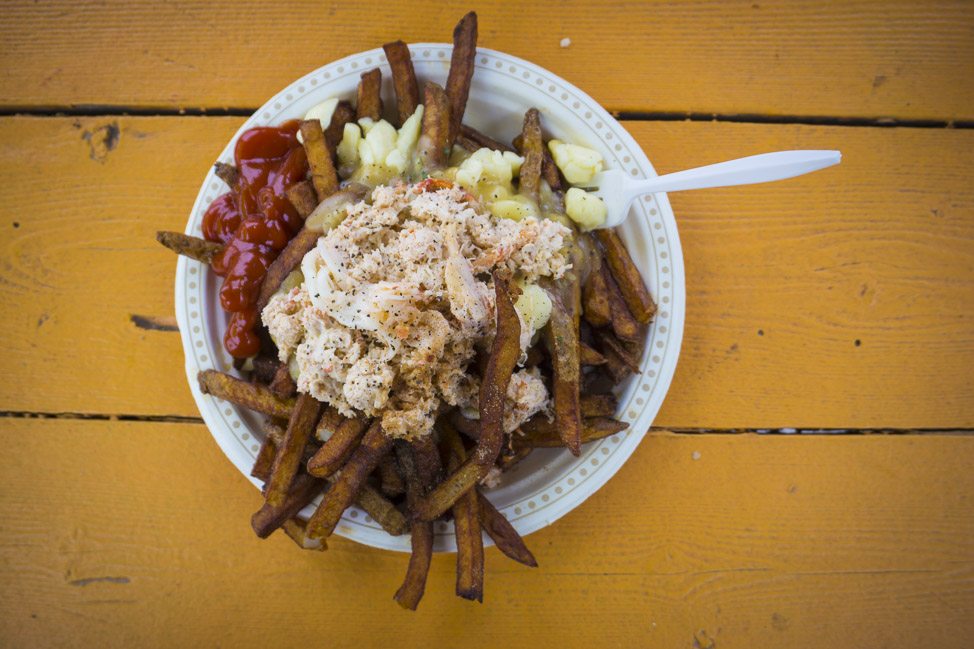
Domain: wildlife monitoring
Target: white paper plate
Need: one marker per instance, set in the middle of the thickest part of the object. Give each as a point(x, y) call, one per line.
point(550, 482)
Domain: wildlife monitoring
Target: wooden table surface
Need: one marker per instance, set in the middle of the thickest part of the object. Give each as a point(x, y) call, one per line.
point(841, 302)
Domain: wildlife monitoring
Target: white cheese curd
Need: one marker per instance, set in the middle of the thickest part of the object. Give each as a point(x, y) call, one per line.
point(322, 112)
point(578, 163)
point(585, 209)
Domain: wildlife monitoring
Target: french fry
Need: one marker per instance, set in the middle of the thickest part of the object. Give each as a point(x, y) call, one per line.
point(255, 397)
point(344, 113)
point(328, 424)
point(630, 282)
point(303, 197)
point(598, 405)
point(588, 356)
point(189, 246)
point(269, 517)
point(623, 323)
point(538, 432)
point(529, 177)
point(274, 430)
point(610, 342)
point(595, 300)
point(414, 583)
point(615, 367)
point(282, 384)
point(323, 174)
point(466, 524)
point(403, 79)
point(390, 482)
point(226, 173)
point(343, 490)
point(338, 448)
point(483, 140)
point(370, 95)
point(265, 459)
point(549, 170)
point(461, 71)
point(561, 339)
point(433, 146)
point(468, 144)
point(288, 457)
point(504, 535)
point(289, 259)
point(381, 510)
point(297, 530)
point(504, 354)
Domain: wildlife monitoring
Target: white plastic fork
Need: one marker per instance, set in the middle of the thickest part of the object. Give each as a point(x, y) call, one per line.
point(619, 190)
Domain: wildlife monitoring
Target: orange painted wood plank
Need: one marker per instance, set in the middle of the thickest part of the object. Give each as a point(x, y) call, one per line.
point(782, 279)
point(136, 534)
point(897, 59)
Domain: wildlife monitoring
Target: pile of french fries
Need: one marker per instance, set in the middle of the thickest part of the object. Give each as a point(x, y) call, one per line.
point(593, 341)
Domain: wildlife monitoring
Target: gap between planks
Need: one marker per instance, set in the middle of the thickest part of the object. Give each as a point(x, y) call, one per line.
point(111, 110)
point(183, 419)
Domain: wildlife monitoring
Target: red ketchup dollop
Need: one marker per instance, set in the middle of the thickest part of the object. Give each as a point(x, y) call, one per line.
point(254, 222)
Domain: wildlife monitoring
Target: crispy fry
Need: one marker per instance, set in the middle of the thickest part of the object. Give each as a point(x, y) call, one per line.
point(467, 144)
point(627, 276)
point(403, 78)
point(610, 342)
point(538, 432)
point(343, 490)
point(189, 246)
point(323, 174)
point(265, 459)
point(549, 170)
point(390, 482)
point(615, 367)
point(226, 173)
point(433, 146)
point(344, 113)
point(588, 356)
point(269, 517)
point(381, 510)
point(503, 533)
point(529, 178)
point(255, 397)
point(328, 424)
point(414, 584)
point(370, 95)
point(289, 259)
point(623, 323)
point(483, 140)
point(297, 530)
point(338, 449)
point(561, 338)
point(466, 524)
point(599, 405)
point(461, 71)
point(595, 300)
point(288, 457)
point(274, 430)
point(303, 197)
point(493, 389)
point(282, 384)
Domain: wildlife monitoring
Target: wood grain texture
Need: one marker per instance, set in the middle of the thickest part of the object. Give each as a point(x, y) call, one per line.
point(894, 59)
point(829, 541)
point(782, 279)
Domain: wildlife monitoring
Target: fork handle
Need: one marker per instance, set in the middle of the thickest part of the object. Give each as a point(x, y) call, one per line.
point(743, 171)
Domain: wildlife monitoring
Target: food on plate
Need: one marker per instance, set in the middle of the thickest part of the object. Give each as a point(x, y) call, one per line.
point(415, 306)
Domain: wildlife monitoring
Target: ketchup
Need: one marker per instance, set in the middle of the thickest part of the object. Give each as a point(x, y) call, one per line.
point(254, 222)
